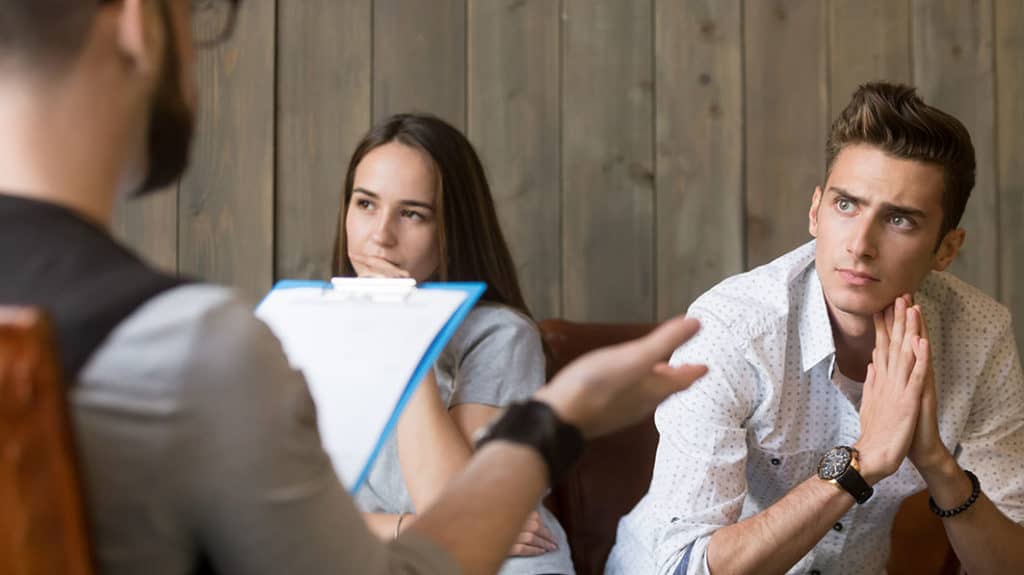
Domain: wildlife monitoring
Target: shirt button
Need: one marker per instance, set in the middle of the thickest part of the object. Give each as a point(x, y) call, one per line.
point(776, 461)
point(675, 520)
point(815, 572)
point(838, 527)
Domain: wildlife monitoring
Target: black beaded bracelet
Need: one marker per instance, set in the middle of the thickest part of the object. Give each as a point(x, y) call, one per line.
point(975, 492)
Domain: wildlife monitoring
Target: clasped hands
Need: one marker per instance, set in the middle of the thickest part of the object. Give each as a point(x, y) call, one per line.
point(898, 411)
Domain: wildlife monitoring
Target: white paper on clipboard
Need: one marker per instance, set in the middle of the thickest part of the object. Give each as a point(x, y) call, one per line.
point(362, 349)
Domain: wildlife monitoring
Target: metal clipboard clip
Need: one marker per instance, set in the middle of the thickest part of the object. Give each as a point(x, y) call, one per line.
point(377, 290)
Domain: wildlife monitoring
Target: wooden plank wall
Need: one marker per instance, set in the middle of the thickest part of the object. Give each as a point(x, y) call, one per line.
point(323, 108)
point(226, 199)
point(639, 151)
point(607, 160)
point(1009, 58)
point(513, 113)
point(698, 148)
point(954, 69)
point(786, 97)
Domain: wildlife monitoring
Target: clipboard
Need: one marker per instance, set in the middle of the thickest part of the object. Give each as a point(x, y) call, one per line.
point(363, 345)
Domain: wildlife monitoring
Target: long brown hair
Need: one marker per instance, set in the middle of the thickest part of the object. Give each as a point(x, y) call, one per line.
point(469, 235)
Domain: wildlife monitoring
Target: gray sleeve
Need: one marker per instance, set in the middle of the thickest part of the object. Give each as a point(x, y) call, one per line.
point(197, 437)
point(263, 494)
point(499, 358)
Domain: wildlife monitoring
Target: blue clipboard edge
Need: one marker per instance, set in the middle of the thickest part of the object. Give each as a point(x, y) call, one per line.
point(474, 290)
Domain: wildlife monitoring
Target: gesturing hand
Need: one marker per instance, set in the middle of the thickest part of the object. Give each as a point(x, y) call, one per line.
point(891, 402)
point(616, 386)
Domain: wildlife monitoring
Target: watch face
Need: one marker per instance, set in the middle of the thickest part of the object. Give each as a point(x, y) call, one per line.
point(834, 463)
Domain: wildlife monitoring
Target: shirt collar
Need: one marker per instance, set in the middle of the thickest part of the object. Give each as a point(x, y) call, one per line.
point(815, 329)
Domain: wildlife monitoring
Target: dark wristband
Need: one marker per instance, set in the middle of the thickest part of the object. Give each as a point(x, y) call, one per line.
point(854, 484)
point(535, 424)
point(975, 492)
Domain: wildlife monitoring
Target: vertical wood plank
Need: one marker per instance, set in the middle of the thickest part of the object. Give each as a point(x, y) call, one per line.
point(787, 121)
point(150, 226)
point(868, 40)
point(513, 120)
point(419, 58)
point(699, 152)
point(953, 69)
point(1009, 18)
point(226, 198)
point(608, 173)
point(323, 108)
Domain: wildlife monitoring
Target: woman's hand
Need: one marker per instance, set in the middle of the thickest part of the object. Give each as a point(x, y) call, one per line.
point(534, 539)
point(375, 267)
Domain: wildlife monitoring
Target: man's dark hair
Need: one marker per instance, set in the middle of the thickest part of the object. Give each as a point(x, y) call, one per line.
point(892, 118)
point(46, 33)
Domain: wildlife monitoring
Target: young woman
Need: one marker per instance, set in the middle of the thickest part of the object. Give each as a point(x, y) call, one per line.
point(417, 205)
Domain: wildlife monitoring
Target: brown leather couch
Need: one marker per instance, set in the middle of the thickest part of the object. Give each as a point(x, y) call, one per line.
point(42, 518)
point(615, 471)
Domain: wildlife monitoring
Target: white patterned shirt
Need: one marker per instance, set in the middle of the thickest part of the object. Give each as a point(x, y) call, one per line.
point(757, 424)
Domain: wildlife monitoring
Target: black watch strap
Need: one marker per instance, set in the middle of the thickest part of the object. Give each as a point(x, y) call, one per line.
point(840, 465)
point(536, 424)
point(854, 484)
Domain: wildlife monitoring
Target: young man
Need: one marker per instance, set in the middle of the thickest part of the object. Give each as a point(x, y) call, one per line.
point(198, 443)
point(755, 471)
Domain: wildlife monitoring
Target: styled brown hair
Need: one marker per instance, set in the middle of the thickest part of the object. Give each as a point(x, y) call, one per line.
point(472, 245)
point(894, 119)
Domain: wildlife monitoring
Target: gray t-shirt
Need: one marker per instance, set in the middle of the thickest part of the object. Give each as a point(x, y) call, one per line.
point(197, 438)
point(495, 358)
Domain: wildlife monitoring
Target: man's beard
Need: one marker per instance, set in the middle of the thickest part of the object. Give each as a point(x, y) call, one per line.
point(170, 124)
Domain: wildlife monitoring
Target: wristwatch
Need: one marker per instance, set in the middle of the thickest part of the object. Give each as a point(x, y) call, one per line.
point(841, 466)
point(535, 424)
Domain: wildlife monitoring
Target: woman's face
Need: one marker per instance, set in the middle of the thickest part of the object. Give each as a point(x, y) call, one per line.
point(391, 224)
